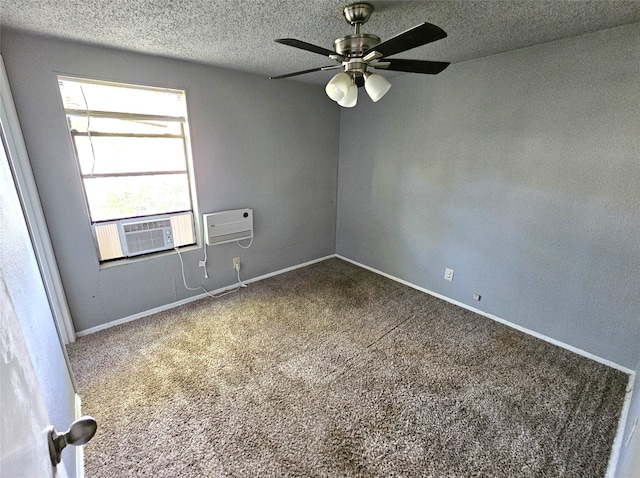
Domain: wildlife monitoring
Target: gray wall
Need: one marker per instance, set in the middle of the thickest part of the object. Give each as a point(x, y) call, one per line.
point(521, 171)
point(271, 146)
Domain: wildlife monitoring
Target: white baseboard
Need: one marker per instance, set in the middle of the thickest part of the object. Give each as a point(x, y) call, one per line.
point(527, 331)
point(282, 271)
point(80, 449)
point(172, 305)
point(617, 442)
point(78, 406)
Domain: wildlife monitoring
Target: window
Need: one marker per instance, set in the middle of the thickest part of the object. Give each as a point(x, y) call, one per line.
point(131, 143)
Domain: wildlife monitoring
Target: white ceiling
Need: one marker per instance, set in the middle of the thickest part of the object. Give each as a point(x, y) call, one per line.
point(239, 34)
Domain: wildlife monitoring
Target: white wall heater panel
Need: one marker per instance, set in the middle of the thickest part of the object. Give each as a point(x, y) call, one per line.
point(228, 226)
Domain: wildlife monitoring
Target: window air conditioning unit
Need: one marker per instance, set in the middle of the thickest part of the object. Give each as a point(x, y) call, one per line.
point(228, 226)
point(143, 236)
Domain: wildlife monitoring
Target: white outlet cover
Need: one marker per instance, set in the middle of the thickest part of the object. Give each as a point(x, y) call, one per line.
point(448, 274)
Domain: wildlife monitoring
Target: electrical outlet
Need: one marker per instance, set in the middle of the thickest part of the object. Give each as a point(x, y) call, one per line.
point(477, 297)
point(448, 274)
point(236, 263)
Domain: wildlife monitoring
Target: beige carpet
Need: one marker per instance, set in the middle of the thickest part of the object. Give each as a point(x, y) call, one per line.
point(333, 371)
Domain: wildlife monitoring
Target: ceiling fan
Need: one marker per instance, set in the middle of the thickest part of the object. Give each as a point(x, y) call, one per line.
point(360, 52)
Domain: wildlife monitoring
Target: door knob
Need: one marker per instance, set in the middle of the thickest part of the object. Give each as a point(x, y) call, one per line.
point(79, 433)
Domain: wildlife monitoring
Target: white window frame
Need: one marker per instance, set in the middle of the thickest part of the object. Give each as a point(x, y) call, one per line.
point(185, 234)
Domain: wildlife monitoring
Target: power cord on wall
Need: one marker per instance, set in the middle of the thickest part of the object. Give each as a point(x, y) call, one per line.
point(210, 294)
point(245, 247)
point(633, 429)
point(203, 263)
point(237, 268)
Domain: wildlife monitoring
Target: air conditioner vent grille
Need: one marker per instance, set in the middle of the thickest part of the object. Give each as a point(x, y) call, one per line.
point(145, 241)
point(145, 226)
point(141, 237)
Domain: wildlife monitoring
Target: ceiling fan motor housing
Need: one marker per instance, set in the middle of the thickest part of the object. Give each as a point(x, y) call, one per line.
point(355, 45)
point(352, 47)
point(356, 14)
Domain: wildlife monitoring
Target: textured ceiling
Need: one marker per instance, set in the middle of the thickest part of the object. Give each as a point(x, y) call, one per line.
point(239, 34)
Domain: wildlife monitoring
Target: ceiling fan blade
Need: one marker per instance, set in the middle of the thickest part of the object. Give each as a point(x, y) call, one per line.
point(296, 73)
point(412, 66)
point(414, 37)
point(305, 46)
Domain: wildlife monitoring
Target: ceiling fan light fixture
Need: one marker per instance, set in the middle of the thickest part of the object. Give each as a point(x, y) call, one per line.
point(376, 86)
point(351, 98)
point(338, 86)
point(359, 51)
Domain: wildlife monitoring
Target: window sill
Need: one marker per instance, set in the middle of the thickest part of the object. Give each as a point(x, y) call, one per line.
point(146, 257)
